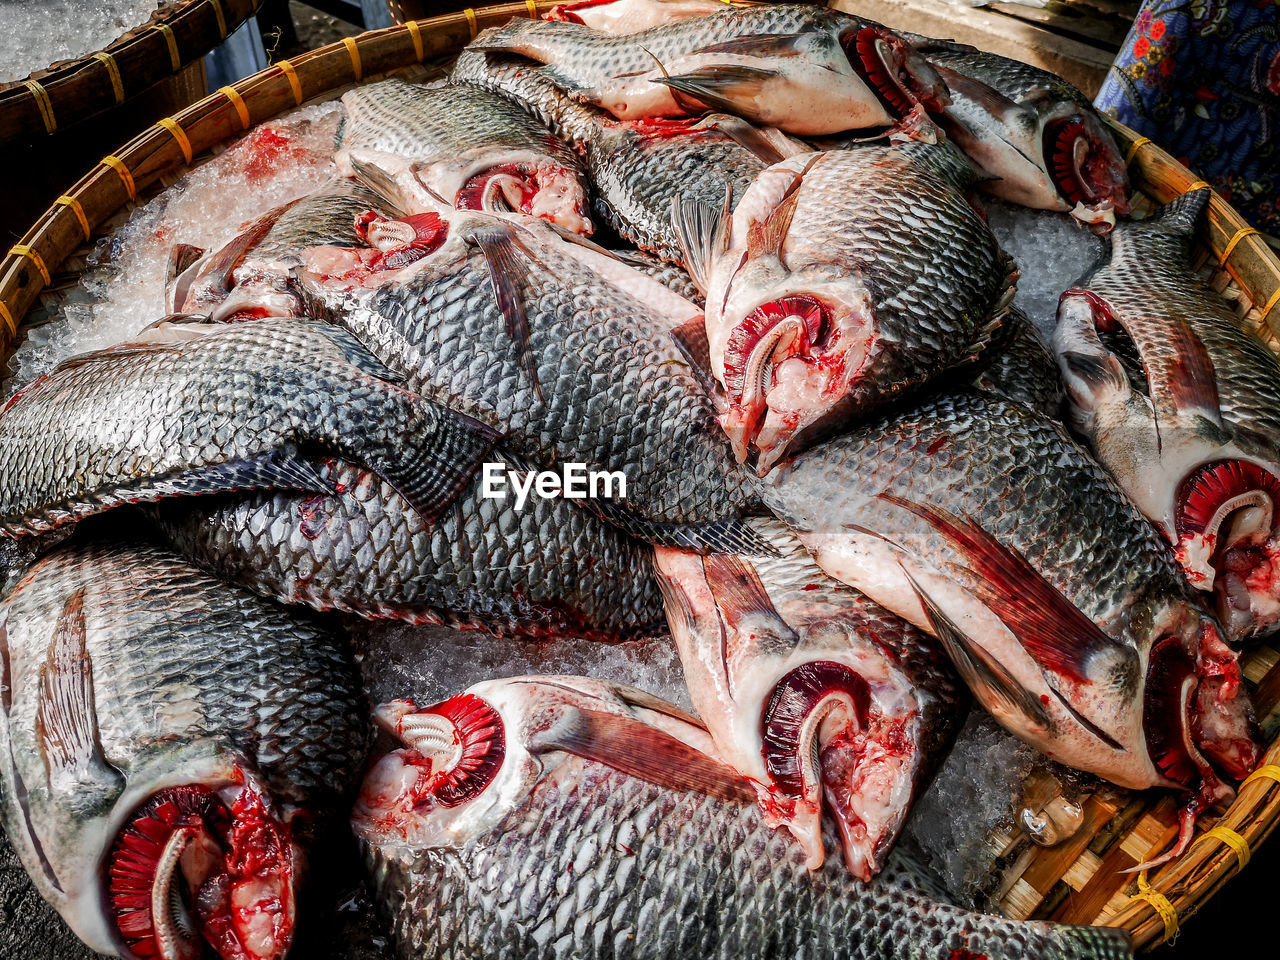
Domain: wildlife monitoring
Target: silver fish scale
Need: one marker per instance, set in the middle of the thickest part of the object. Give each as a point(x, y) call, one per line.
point(1150, 286)
point(1016, 80)
point(325, 217)
point(425, 124)
point(634, 174)
point(580, 56)
point(595, 864)
point(550, 567)
point(618, 394)
point(86, 437)
point(1015, 474)
point(672, 276)
point(178, 656)
point(1020, 367)
point(933, 269)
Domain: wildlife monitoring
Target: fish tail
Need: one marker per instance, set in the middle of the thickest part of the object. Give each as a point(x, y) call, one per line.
point(1180, 217)
point(1077, 942)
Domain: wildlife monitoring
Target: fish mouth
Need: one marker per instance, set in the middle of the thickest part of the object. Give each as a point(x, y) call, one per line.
point(187, 870)
point(539, 189)
point(823, 739)
point(1225, 524)
point(785, 364)
point(903, 80)
point(1085, 167)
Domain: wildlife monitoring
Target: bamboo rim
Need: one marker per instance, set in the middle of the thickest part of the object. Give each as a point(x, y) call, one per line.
point(1177, 890)
point(70, 91)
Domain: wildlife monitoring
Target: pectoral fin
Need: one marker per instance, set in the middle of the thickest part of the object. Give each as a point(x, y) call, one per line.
point(508, 265)
point(702, 234)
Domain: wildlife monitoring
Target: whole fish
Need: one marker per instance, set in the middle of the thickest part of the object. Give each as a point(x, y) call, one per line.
point(797, 67)
point(250, 276)
point(194, 408)
point(1019, 366)
point(814, 693)
point(169, 748)
point(1182, 405)
point(1039, 137)
point(980, 521)
point(542, 567)
point(418, 145)
point(573, 356)
point(618, 17)
point(592, 820)
point(637, 167)
point(841, 280)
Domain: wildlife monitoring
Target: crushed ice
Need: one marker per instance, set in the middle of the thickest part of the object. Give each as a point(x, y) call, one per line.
point(36, 33)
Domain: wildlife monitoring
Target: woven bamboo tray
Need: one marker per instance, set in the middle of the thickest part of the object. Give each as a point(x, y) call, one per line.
point(73, 90)
point(1077, 880)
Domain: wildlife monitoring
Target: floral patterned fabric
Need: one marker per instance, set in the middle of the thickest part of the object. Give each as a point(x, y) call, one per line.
point(1202, 79)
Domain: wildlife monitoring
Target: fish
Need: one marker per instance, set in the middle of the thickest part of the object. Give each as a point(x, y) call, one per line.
point(193, 408)
point(547, 567)
point(1182, 405)
point(620, 17)
point(1040, 138)
point(637, 167)
point(812, 692)
point(1020, 366)
point(418, 144)
point(596, 820)
point(985, 524)
point(572, 356)
point(803, 69)
point(171, 749)
point(842, 280)
point(250, 276)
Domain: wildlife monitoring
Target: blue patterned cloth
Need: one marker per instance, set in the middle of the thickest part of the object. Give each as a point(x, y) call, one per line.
point(1202, 80)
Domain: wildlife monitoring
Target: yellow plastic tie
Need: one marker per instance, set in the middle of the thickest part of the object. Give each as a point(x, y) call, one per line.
point(354, 50)
point(113, 71)
point(22, 250)
point(1228, 837)
point(1231, 245)
point(175, 60)
point(532, 8)
point(294, 83)
point(46, 108)
point(222, 19)
point(1160, 903)
point(179, 134)
point(1134, 148)
point(1269, 771)
point(415, 31)
point(237, 101)
point(9, 322)
point(126, 177)
point(471, 20)
point(1198, 185)
point(1275, 298)
point(72, 204)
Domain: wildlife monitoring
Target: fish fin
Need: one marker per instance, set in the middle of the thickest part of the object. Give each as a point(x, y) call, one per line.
point(117, 350)
point(439, 464)
point(639, 750)
point(766, 46)
point(635, 697)
point(725, 535)
point(691, 340)
point(357, 354)
point(1053, 630)
point(720, 86)
point(740, 596)
point(1096, 373)
point(1180, 216)
point(765, 237)
point(179, 273)
point(214, 277)
point(702, 234)
point(770, 147)
point(66, 721)
point(508, 265)
point(991, 100)
point(278, 470)
point(377, 180)
point(976, 666)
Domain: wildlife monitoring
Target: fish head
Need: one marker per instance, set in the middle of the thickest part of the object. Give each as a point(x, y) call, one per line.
point(1085, 165)
point(812, 708)
point(787, 344)
point(468, 762)
point(899, 75)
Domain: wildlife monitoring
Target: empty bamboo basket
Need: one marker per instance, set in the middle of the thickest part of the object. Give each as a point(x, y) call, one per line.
point(1079, 879)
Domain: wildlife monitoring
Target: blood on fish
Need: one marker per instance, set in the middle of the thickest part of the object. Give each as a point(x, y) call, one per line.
point(480, 732)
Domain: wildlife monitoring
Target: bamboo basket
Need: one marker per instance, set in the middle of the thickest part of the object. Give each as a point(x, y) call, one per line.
point(1077, 880)
point(70, 91)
